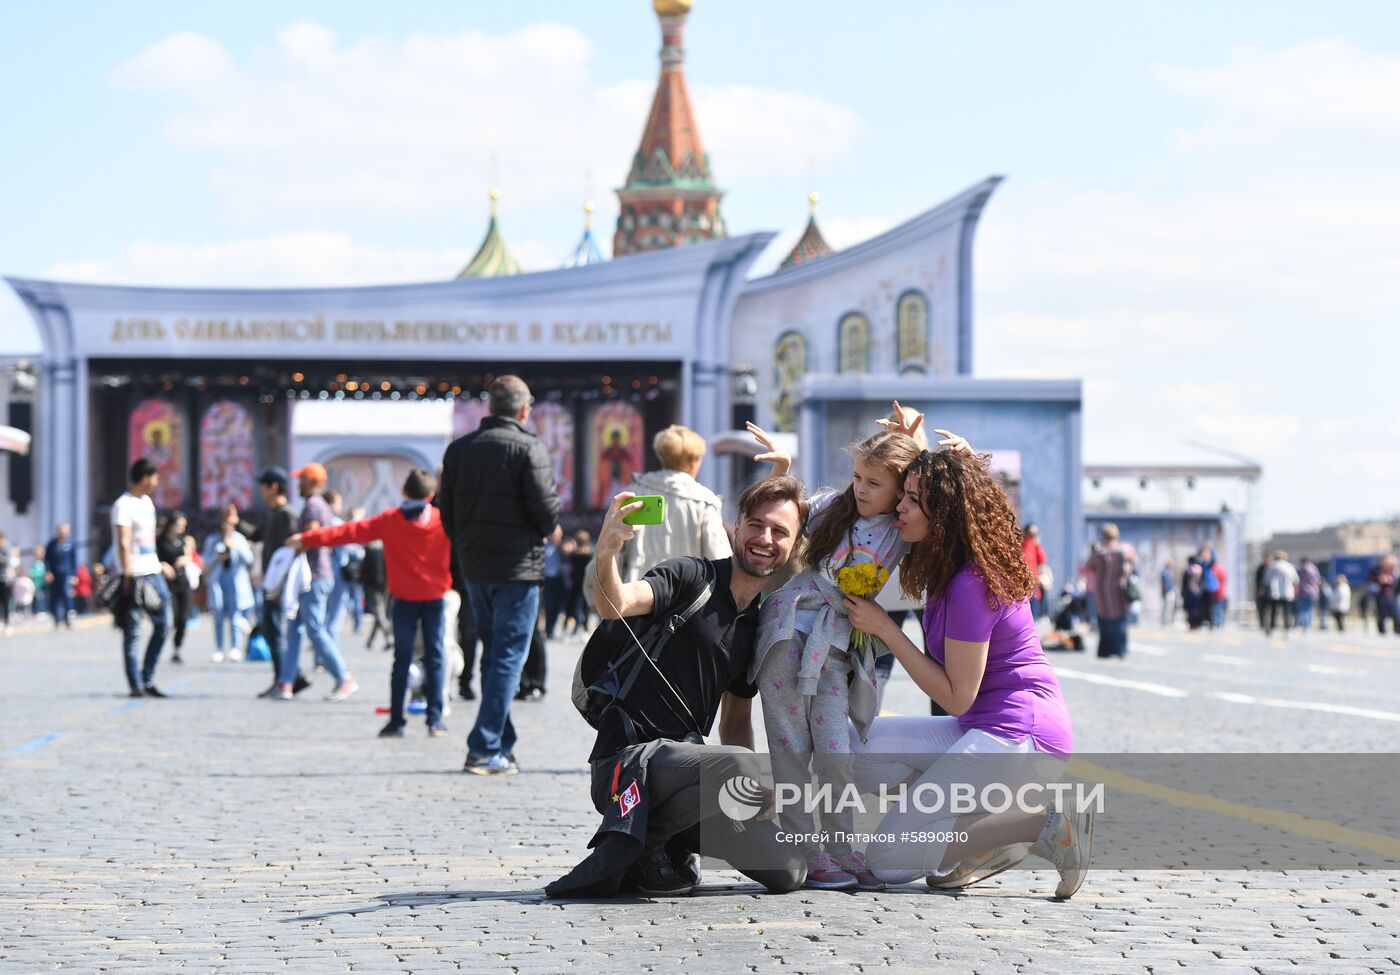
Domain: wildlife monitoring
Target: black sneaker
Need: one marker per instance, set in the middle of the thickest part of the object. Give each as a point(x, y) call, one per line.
point(153, 691)
point(136, 692)
point(271, 691)
point(689, 868)
point(300, 684)
point(468, 694)
point(655, 875)
point(530, 695)
point(391, 730)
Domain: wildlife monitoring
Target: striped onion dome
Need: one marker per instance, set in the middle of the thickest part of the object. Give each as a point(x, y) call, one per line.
point(493, 258)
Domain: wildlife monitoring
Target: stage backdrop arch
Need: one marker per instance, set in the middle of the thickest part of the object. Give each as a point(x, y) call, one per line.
point(372, 475)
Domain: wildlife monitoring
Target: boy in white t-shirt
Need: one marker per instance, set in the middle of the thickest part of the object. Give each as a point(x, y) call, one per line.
point(143, 581)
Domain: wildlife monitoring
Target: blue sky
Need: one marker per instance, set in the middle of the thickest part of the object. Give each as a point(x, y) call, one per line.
point(1200, 218)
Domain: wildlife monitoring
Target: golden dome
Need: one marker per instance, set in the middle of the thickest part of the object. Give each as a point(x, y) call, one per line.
point(671, 8)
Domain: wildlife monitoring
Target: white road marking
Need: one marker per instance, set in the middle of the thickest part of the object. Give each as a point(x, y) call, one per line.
point(1217, 658)
point(1146, 648)
point(1161, 690)
point(1345, 671)
point(1274, 702)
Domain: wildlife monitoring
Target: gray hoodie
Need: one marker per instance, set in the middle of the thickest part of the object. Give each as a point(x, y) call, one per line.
point(694, 524)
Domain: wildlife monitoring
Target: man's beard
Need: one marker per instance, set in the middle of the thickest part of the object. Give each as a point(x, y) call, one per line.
point(741, 561)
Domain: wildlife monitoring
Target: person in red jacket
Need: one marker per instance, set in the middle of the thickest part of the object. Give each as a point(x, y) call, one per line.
point(417, 560)
point(1036, 560)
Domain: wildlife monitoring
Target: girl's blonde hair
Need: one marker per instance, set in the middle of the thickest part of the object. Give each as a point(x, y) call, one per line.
point(892, 451)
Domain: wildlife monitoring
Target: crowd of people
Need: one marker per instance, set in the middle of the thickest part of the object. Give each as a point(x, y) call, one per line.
point(1290, 597)
point(475, 554)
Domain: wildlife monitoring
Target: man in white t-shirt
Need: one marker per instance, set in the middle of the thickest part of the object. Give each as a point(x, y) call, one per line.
point(143, 583)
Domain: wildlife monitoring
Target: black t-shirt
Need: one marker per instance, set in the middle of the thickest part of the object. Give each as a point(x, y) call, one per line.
point(711, 654)
point(169, 549)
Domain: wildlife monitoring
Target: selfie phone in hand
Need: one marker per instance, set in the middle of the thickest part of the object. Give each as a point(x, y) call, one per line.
point(652, 511)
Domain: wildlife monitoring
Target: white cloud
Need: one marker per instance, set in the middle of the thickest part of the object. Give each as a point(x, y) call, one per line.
point(290, 258)
point(1261, 97)
point(402, 126)
point(1248, 304)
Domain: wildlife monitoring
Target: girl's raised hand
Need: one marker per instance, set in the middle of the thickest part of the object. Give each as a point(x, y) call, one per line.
point(908, 423)
point(777, 456)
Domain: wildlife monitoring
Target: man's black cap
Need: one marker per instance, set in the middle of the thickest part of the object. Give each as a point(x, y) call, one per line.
point(275, 475)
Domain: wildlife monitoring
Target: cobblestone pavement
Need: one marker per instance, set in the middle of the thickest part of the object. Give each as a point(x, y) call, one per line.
point(215, 832)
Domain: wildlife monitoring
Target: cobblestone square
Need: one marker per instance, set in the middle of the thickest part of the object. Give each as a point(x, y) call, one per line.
point(215, 832)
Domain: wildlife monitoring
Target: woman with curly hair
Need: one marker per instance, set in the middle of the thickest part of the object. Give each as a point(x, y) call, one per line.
point(1007, 722)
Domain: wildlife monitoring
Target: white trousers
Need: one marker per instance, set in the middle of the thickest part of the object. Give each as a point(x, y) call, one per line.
point(917, 750)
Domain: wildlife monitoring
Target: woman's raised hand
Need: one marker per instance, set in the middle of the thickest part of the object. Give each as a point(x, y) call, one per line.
point(953, 442)
point(868, 616)
point(777, 456)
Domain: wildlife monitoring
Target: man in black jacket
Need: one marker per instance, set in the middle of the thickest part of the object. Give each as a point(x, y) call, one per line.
point(498, 503)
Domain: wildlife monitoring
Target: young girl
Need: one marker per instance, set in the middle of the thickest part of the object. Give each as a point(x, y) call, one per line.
point(810, 677)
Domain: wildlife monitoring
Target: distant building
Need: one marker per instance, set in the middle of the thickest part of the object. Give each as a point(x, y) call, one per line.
point(215, 383)
point(1355, 538)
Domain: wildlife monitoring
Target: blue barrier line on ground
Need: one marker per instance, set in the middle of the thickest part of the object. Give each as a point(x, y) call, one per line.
point(34, 744)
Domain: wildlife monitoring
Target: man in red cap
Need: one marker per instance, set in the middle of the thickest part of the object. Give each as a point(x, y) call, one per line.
point(312, 613)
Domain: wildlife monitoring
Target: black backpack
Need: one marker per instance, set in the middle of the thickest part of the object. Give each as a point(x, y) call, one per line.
point(616, 653)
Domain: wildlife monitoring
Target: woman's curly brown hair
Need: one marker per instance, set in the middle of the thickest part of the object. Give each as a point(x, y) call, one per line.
point(969, 520)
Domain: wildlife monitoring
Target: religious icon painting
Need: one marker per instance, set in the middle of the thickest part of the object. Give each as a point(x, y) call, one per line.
point(467, 414)
point(156, 431)
point(225, 456)
point(615, 450)
point(789, 366)
point(554, 424)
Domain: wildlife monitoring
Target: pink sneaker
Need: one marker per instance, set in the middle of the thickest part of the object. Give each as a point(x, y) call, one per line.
point(343, 690)
point(854, 864)
point(824, 874)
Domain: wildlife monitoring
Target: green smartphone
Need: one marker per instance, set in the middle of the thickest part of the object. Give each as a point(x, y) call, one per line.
point(652, 511)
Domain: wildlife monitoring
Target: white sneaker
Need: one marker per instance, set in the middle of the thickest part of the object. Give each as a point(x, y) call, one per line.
point(979, 868)
point(218, 657)
point(343, 690)
point(1067, 842)
point(235, 654)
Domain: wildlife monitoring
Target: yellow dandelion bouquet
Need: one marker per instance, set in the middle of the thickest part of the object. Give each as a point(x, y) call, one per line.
point(863, 579)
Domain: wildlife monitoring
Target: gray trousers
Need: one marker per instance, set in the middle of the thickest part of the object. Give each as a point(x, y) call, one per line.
point(683, 788)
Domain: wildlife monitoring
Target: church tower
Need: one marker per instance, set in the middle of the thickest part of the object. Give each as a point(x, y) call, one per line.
point(670, 197)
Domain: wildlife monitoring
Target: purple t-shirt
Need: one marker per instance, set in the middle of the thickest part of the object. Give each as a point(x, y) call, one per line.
point(1020, 694)
point(316, 510)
